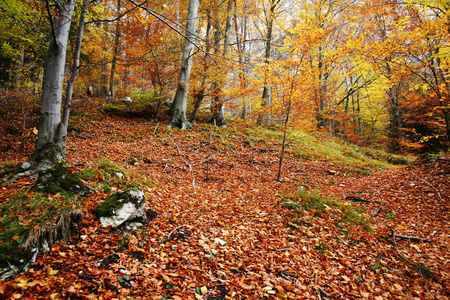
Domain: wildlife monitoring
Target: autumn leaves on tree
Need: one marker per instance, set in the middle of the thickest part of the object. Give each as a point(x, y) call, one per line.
point(373, 73)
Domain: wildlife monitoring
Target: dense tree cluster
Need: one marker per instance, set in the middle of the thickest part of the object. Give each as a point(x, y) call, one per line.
point(374, 72)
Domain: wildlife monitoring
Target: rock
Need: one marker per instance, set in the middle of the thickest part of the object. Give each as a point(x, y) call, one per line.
point(60, 180)
point(121, 207)
point(127, 100)
point(24, 165)
point(119, 174)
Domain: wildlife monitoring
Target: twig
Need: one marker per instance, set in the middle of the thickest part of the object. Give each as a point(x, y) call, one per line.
point(317, 288)
point(174, 231)
point(440, 197)
point(418, 267)
point(155, 129)
point(359, 199)
point(377, 212)
point(407, 237)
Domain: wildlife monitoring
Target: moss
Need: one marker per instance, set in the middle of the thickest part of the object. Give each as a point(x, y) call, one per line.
point(60, 180)
point(116, 201)
point(86, 174)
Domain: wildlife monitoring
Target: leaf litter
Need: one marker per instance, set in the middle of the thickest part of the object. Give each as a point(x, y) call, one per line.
point(221, 231)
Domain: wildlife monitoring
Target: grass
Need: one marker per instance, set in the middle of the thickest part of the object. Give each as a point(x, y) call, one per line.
point(30, 217)
point(303, 200)
point(320, 146)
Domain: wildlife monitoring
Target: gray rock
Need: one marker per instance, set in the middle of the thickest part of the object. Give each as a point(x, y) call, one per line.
point(121, 207)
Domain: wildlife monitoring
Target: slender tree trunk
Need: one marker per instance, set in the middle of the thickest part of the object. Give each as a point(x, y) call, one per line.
point(111, 94)
point(264, 119)
point(178, 118)
point(62, 128)
point(218, 118)
point(283, 146)
point(19, 69)
point(199, 95)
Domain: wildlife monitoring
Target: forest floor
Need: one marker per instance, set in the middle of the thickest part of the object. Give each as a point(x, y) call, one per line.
point(226, 229)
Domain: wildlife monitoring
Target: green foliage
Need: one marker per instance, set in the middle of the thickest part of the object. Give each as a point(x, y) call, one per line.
point(28, 215)
point(303, 200)
point(142, 105)
point(21, 34)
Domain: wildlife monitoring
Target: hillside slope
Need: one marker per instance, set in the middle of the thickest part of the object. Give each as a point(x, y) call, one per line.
point(226, 229)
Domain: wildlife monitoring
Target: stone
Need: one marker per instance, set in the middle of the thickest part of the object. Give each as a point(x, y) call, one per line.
point(121, 207)
point(127, 100)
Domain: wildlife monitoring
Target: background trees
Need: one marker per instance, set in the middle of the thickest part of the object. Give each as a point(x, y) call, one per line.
point(377, 72)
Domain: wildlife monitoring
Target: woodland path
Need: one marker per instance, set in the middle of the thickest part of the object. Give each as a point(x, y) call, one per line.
point(220, 225)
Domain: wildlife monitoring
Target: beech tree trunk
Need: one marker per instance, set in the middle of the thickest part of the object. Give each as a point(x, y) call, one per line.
point(178, 118)
point(112, 94)
point(50, 148)
point(61, 137)
point(218, 109)
point(265, 118)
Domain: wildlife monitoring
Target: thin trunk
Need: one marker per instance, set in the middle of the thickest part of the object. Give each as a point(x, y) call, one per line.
point(218, 118)
point(62, 128)
point(111, 94)
point(178, 118)
point(200, 93)
point(264, 119)
point(283, 146)
point(19, 69)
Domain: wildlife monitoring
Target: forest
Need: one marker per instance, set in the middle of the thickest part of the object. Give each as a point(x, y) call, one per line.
point(224, 149)
point(372, 72)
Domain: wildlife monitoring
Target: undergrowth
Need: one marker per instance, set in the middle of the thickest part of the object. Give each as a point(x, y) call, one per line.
point(303, 200)
point(30, 217)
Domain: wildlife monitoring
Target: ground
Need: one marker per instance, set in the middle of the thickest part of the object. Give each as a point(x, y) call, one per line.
point(221, 229)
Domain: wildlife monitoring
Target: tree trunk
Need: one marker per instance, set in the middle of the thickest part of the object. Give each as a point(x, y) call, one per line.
point(201, 91)
point(61, 136)
point(50, 150)
point(18, 79)
point(178, 118)
point(264, 119)
point(218, 118)
point(111, 94)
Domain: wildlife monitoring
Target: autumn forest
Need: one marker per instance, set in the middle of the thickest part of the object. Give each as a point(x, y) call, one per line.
point(224, 149)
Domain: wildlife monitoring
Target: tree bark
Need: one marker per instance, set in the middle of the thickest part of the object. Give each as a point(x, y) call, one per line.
point(111, 94)
point(50, 150)
point(61, 136)
point(264, 119)
point(178, 118)
point(218, 118)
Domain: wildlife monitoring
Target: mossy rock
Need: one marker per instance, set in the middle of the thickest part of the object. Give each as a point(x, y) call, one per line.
point(120, 207)
point(60, 180)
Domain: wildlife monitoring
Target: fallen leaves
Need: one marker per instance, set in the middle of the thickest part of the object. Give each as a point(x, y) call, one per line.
point(228, 231)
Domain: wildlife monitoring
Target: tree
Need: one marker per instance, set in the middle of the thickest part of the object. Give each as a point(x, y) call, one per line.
point(51, 145)
point(178, 110)
point(22, 43)
point(270, 16)
point(218, 117)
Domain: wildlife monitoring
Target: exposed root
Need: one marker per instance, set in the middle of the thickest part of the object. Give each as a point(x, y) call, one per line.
point(65, 227)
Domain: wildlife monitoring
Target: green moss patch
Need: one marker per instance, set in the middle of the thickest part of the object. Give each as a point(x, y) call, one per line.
point(303, 200)
point(116, 201)
point(29, 220)
point(60, 180)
